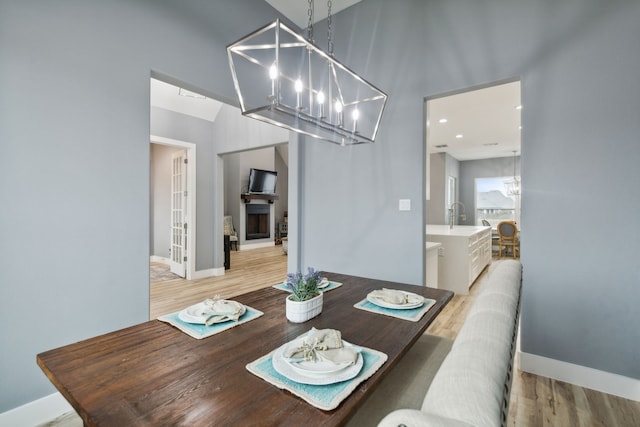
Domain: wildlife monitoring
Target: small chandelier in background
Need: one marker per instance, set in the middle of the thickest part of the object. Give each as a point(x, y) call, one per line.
point(283, 79)
point(513, 185)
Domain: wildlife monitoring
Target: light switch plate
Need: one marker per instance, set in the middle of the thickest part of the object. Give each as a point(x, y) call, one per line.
point(404, 205)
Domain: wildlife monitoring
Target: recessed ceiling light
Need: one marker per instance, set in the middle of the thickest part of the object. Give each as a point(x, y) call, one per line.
point(518, 107)
point(459, 136)
point(442, 120)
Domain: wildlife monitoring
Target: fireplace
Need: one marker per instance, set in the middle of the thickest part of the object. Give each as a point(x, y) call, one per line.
point(258, 221)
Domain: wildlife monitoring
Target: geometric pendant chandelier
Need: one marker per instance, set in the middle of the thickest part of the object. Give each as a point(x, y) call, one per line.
point(513, 185)
point(286, 80)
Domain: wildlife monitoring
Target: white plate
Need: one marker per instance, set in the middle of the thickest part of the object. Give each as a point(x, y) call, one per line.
point(199, 313)
point(303, 374)
point(324, 283)
point(319, 367)
point(413, 301)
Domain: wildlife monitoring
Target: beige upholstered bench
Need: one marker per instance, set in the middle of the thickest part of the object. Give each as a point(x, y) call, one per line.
point(467, 386)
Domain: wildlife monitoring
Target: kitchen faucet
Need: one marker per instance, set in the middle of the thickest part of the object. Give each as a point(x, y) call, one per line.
point(452, 210)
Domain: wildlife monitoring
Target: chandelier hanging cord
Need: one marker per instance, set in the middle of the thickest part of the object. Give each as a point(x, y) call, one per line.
point(310, 22)
point(329, 30)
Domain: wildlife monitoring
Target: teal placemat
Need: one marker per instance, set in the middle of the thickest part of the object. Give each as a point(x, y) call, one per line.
point(325, 397)
point(202, 331)
point(412, 314)
point(332, 285)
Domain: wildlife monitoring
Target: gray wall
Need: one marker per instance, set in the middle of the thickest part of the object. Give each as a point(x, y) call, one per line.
point(282, 186)
point(443, 166)
point(160, 203)
point(232, 188)
point(74, 159)
point(349, 213)
point(435, 207)
point(578, 63)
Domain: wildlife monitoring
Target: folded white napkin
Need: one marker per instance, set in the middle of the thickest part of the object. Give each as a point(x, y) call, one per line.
point(218, 310)
point(391, 296)
point(322, 344)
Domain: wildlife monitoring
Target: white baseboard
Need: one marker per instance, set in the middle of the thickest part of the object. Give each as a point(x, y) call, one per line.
point(36, 412)
point(249, 246)
point(201, 274)
point(582, 376)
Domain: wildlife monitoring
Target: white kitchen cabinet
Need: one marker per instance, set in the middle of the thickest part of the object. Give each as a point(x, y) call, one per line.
point(432, 260)
point(465, 252)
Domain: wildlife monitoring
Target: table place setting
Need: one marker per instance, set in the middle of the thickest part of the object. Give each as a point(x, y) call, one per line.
point(325, 285)
point(319, 367)
point(210, 317)
point(400, 304)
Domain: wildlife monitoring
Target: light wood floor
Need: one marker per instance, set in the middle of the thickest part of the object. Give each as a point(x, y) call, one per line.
point(535, 401)
point(251, 269)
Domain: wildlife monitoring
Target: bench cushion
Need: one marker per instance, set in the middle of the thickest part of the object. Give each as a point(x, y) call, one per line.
point(471, 384)
point(417, 418)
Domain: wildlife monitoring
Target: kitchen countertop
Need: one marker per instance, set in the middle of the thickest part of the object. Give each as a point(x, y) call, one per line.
point(457, 230)
point(432, 245)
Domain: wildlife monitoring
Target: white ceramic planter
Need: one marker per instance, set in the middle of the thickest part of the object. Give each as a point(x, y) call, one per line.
point(301, 311)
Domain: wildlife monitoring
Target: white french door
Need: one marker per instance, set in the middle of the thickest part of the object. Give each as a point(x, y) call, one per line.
point(178, 213)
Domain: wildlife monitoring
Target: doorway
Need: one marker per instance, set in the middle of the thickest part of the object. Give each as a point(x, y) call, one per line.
point(172, 205)
point(471, 133)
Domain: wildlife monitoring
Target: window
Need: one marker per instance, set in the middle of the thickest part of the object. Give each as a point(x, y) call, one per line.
point(493, 203)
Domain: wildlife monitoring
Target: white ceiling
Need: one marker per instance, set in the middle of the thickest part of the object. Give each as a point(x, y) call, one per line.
point(487, 119)
point(169, 97)
point(298, 10)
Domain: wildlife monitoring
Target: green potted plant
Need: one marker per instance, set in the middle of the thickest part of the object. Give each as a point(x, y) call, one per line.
point(305, 300)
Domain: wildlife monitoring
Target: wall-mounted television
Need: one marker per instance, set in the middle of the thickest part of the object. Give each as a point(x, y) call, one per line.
point(262, 181)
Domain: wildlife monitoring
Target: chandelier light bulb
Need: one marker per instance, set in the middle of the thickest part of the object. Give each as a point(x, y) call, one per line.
point(338, 108)
point(355, 114)
point(273, 75)
point(320, 99)
point(298, 87)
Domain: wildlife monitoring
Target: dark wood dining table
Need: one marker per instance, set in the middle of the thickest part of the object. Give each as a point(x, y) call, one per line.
point(153, 374)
